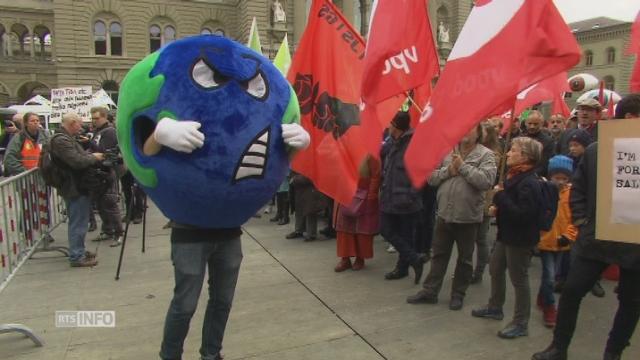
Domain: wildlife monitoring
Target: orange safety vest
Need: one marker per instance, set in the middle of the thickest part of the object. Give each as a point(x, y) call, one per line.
point(30, 154)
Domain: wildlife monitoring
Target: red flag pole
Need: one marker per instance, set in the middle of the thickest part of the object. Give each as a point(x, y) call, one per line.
point(503, 161)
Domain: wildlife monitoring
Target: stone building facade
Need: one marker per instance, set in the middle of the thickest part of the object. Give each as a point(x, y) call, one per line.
point(603, 42)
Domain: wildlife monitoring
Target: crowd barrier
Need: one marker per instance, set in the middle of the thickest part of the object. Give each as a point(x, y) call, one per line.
point(30, 212)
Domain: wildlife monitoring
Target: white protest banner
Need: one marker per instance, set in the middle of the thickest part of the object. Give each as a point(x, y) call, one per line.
point(71, 99)
point(626, 181)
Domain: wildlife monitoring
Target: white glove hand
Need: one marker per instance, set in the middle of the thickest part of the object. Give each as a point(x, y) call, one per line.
point(181, 136)
point(295, 136)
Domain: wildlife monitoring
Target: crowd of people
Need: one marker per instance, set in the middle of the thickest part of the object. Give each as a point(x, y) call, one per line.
point(501, 174)
point(94, 177)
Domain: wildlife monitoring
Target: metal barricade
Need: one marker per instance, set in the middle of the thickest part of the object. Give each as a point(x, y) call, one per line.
point(30, 212)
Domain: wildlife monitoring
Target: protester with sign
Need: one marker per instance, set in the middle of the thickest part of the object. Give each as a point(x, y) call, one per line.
point(593, 257)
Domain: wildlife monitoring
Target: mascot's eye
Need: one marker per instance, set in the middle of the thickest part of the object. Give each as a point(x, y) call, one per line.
point(206, 76)
point(257, 87)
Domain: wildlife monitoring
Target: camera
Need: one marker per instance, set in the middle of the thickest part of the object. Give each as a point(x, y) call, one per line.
point(112, 157)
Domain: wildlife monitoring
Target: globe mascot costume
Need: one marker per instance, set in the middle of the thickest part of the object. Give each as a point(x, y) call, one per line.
point(207, 127)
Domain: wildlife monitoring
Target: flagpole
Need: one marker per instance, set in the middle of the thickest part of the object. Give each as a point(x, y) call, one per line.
point(503, 160)
point(413, 102)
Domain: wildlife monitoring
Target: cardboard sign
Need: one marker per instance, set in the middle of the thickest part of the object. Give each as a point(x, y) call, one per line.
point(618, 192)
point(71, 99)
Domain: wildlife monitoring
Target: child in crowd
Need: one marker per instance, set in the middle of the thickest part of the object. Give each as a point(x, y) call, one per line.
point(556, 242)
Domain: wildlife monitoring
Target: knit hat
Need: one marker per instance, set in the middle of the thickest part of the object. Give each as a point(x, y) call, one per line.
point(401, 121)
point(581, 137)
point(560, 164)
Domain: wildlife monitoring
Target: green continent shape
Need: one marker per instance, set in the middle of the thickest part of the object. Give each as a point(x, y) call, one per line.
point(138, 91)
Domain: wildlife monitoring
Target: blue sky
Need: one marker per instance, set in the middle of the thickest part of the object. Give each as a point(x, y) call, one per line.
point(576, 10)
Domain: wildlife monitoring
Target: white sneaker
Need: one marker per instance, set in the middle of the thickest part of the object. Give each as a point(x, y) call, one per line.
point(391, 249)
point(117, 241)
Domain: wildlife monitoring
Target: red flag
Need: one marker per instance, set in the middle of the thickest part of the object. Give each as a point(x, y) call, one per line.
point(634, 48)
point(549, 89)
point(634, 43)
point(601, 93)
point(634, 82)
point(421, 96)
point(326, 74)
point(560, 106)
point(504, 47)
point(400, 52)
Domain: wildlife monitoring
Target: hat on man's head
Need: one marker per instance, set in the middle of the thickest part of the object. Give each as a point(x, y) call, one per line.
point(560, 164)
point(590, 102)
point(402, 121)
point(582, 137)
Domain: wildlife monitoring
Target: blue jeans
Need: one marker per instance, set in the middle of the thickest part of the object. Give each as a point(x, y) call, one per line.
point(78, 211)
point(190, 261)
point(550, 263)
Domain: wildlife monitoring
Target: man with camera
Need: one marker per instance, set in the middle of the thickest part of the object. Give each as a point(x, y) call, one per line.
point(74, 162)
point(107, 202)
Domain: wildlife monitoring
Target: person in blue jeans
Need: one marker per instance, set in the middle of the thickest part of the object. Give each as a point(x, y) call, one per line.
point(73, 160)
point(196, 249)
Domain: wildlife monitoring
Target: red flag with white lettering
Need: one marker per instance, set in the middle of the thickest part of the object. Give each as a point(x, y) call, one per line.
point(326, 73)
point(400, 53)
point(504, 47)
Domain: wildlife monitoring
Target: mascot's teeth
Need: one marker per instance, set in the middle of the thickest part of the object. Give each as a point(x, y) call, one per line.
point(254, 158)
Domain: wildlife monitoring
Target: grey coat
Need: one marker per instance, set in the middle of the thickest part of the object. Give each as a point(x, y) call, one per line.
point(13, 156)
point(461, 198)
point(69, 154)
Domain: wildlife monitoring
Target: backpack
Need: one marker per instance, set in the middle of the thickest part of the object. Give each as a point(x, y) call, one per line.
point(548, 201)
point(52, 173)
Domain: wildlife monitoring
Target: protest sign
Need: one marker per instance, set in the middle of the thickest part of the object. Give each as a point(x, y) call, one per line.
point(71, 99)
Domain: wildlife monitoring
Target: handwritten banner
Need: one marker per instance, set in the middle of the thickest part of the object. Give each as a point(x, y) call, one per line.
point(71, 99)
point(626, 181)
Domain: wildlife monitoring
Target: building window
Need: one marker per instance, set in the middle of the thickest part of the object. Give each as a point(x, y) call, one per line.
point(115, 35)
point(611, 55)
point(205, 31)
point(100, 38)
point(155, 40)
point(160, 35)
point(169, 34)
point(588, 58)
point(107, 35)
point(219, 32)
point(609, 82)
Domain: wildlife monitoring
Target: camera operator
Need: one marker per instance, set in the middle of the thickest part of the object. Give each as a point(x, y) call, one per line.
point(106, 141)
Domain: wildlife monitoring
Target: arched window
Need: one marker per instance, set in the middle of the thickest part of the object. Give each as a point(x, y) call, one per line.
point(169, 34)
point(155, 38)
point(107, 35)
point(162, 31)
point(611, 55)
point(588, 58)
point(100, 38)
point(42, 41)
point(205, 31)
point(115, 35)
point(19, 38)
point(609, 82)
point(219, 32)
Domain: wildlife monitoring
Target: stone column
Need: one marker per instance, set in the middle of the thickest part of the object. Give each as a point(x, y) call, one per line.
point(299, 21)
point(32, 46)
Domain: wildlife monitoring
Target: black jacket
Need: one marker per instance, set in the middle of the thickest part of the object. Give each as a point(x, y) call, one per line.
point(583, 209)
point(518, 208)
point(548, 149)
point(397, 195)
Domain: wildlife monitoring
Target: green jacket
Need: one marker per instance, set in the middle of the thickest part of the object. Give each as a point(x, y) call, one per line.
point(13, 154)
